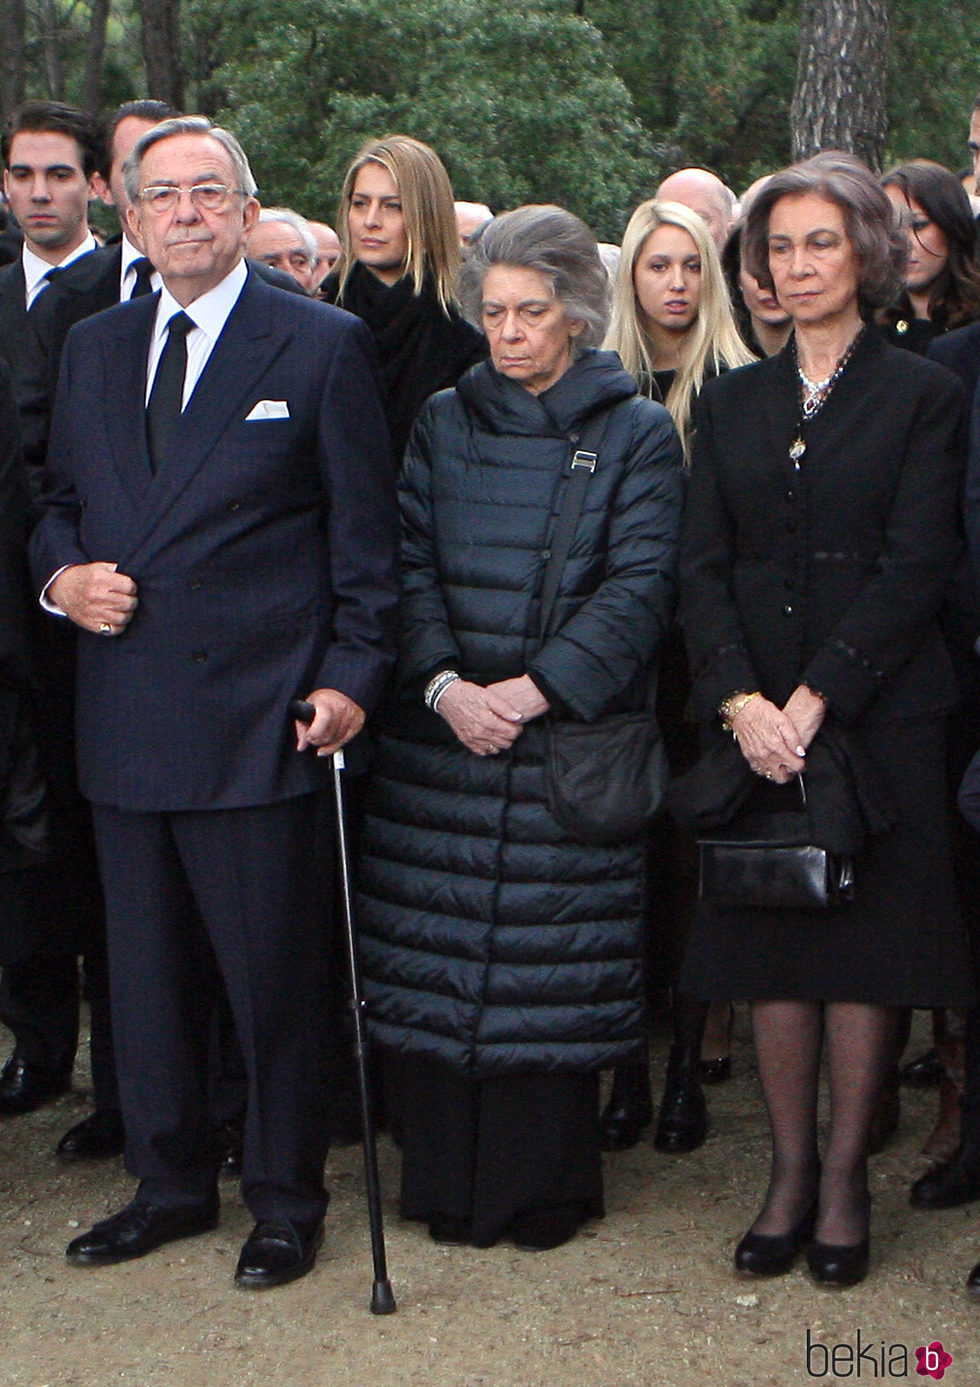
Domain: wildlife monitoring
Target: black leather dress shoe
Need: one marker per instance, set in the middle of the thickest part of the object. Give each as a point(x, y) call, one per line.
point(765, 1254)
point(682, 1123)
point(96, 1139)
point(629, 1109)
point(923, 1072)
point(277, 1251)
point(25, 1086)
point(834, 1264)
point(951, 1184)
point(231, 1143)
point(137, 1230)
point(973, 1281)
point(715, 1071)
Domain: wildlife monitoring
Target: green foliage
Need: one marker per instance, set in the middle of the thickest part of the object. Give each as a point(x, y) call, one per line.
point(933, 80)
point(55, 38)
point(712, 79)
point(521, 105)
point(583, 102)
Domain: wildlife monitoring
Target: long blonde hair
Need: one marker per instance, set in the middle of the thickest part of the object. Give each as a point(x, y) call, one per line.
point(712, 341)
point(427, 205)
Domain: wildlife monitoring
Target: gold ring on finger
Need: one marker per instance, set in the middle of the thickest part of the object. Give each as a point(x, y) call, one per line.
point(105, 629)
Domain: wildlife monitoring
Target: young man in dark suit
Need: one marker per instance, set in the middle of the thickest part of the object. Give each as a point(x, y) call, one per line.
point(50, 162)
point(50, 155)
point(220, 524)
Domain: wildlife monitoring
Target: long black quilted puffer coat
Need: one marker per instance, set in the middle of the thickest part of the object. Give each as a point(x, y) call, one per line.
point(488, 937)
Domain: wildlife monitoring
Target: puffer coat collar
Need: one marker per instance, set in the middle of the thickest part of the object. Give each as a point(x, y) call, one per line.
point(592, 382)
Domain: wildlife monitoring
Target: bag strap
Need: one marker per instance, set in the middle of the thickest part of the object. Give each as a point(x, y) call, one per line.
point(584, 462)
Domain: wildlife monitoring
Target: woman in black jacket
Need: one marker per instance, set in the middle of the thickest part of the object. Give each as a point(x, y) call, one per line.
point(820, 534)
point(503, 958)
point(941, 283)
point(397, 271)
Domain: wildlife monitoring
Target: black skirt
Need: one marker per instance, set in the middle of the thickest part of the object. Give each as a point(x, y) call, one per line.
point(487, 1150)
point(901, 942)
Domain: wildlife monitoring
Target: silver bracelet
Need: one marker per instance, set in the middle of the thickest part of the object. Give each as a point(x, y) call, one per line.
point(437, 686)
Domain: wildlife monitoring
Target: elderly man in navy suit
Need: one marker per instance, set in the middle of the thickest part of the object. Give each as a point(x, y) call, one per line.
point(220, 524)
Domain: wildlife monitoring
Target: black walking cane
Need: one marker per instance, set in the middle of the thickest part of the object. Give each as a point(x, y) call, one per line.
point(382, 1299)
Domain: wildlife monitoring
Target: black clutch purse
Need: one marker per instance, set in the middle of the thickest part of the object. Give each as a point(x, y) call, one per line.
point(769, 863)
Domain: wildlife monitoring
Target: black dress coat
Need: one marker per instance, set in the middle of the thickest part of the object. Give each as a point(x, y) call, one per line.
point(490, 940)
point(421, 348)
point(832, 573)
point(24, 810)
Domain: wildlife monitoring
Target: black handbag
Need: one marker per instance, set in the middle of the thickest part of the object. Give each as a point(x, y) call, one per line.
point(605, 779)
point(772, 865)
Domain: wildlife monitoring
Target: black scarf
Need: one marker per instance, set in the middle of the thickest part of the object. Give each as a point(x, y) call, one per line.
point(421, 348)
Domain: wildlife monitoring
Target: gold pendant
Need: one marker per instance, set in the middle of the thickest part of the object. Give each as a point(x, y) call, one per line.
point(797, 449)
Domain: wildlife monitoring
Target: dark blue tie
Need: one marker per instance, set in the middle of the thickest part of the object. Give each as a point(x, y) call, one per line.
point(143, 285)
point(167, 395)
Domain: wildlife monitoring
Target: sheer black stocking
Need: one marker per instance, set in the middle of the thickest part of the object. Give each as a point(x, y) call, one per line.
point(788, 1038)
point(860, 1048)
point(788, 1041)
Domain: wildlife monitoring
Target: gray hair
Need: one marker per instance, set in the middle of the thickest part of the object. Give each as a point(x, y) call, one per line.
point(187, 125)
point(299, 224)
point(556, 244)
point(880, 246)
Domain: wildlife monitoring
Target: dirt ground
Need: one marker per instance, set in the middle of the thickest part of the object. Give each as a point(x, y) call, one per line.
point(645, 1296)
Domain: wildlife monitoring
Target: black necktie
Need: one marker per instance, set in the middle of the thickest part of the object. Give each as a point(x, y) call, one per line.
point(166, 397)
point(143, 270)
point(45, 281)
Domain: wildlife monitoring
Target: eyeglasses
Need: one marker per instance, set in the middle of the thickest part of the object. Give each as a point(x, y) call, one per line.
point(206, 197)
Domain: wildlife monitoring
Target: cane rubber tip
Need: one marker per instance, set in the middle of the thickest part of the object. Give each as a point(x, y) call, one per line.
point(382, 1300)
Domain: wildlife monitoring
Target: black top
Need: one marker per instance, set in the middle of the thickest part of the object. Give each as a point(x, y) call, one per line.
point(421, 348)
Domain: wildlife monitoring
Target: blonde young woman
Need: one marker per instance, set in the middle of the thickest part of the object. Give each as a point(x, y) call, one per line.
point(399, 261)
point(673, 327)
point(672, 323)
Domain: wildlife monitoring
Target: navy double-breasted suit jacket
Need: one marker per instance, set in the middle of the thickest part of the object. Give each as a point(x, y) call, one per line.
point(263, 549)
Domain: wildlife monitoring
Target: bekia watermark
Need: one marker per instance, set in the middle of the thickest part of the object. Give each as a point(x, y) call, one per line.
point(874, 1359)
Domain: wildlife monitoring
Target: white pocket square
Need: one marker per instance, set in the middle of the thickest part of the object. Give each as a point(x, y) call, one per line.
point(268, 409)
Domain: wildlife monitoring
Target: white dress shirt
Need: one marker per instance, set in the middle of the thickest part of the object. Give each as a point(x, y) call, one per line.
point(127, 272)
point(209, 314)
point(36, 270)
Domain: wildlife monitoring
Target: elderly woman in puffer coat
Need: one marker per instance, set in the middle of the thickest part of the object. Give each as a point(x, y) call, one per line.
point(502, 959)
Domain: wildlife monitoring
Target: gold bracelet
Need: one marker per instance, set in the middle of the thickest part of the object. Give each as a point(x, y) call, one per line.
point(732, 706)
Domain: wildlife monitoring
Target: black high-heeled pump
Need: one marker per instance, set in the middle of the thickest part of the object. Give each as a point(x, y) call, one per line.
point(839, 1264)
point(765, 1254)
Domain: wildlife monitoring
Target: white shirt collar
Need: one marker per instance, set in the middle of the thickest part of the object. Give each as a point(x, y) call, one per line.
point(35, 269)
point(210, 312)
point(130, 253)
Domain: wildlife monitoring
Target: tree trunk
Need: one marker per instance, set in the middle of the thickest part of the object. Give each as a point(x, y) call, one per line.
point(13, 22)
point(839, 102)
point(51, 46)
point(94, 55)
point(161, 51)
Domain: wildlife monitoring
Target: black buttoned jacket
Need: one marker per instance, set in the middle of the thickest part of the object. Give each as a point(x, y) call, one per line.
point(832, 572)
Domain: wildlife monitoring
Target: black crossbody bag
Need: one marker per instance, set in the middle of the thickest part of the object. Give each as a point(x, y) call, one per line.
point(605, 779)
